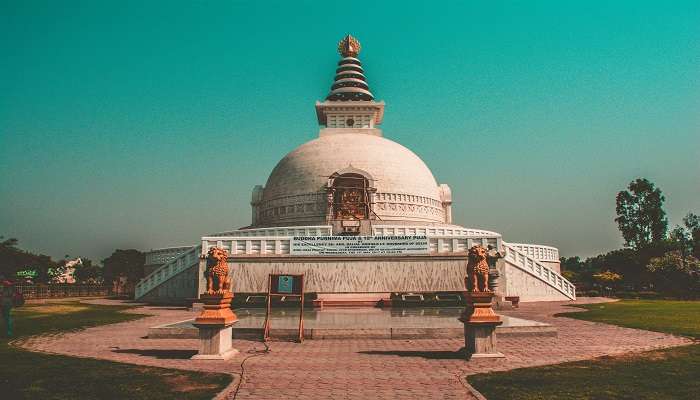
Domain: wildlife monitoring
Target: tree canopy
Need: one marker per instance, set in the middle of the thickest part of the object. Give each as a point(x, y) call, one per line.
point(651, 260)
point(640, 214)
point(87, 272)
point(692, 225)
point(13, 259)
point(128, 263)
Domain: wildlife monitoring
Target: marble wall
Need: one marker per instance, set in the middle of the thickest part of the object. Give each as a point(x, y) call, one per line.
point(377, 275)
point(366, 275)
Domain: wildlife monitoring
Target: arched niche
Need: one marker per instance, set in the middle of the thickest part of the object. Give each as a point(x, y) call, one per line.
point(350, 195)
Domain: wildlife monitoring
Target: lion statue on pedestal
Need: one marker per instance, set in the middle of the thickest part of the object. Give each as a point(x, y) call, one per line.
point(478, 269)
point(218, 281)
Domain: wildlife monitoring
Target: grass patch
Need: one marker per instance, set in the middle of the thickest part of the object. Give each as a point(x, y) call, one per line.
point(27, 375)
point(669, 316)
point(666, 374)
point(662, 374)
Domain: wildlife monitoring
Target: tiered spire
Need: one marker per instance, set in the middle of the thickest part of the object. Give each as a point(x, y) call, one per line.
point(350, 83)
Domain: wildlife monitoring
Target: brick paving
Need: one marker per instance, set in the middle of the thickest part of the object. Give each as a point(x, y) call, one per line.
point(355, 369)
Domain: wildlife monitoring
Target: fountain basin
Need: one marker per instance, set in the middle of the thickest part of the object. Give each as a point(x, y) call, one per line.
point(355, 323)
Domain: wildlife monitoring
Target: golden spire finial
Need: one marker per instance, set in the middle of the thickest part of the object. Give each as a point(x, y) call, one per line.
point(349, 46)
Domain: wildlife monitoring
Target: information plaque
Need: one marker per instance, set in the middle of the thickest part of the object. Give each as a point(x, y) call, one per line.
point(286, 284)
point(359, 245)
point(283, 286)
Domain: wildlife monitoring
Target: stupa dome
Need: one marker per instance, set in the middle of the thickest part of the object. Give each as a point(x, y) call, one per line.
point(392, 167)
point(403, 187)
point(350, 173)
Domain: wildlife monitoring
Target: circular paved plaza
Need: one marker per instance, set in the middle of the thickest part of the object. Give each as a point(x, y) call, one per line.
point(354, 369)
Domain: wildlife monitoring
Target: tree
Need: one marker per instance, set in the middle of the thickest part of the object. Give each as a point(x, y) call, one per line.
point(625, 262)
point(607, 277)
point(13, 259)
point(692, 224)
point(572, 268)
point(676, 273)
point(571, 263)
point(124, 263)
point(87, 272)
point(640, 214)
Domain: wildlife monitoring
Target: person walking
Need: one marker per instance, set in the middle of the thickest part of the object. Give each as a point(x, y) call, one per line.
point(7, 302)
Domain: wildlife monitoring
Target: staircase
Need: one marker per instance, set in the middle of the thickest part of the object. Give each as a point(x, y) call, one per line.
point(156, 279)
point(516, 256)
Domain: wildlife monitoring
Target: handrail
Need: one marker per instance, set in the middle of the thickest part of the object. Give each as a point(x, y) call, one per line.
point(539, 270)
point(433, 230)
point(165, 254)
point(538, 251)
point(167, 271)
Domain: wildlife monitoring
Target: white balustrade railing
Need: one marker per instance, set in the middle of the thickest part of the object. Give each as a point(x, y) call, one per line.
point(314, 230)
point(440, 242)
point(250, 246)
point(535, 268)
point(459, 244)
point(280, 246)
point(443, 238)
point(164, 255)
point(436, 230)
point(167, 271)
point(537, 251)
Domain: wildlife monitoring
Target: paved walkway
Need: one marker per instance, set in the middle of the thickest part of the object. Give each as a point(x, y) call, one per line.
point(355, 369)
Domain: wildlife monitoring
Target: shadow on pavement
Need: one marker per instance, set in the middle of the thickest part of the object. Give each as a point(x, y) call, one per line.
point(162, 354)
point(432, 355)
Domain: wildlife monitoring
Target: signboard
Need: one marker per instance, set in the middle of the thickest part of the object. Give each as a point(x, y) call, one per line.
point(359, 245)
point(285, 284)
point(26, 274)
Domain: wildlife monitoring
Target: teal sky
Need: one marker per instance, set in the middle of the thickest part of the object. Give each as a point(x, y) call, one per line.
point(146, 124)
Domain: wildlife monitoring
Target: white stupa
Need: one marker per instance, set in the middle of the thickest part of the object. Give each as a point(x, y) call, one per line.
point(359, 215)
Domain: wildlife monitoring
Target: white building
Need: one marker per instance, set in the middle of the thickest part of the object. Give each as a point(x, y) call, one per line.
point(360, 215)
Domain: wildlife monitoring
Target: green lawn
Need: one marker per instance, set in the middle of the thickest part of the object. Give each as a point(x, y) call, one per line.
point(27, 375)
point(663, 374)
point(677, 317)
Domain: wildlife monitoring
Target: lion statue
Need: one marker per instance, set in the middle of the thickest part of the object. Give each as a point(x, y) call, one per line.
point(218, 281)
point(478, 269)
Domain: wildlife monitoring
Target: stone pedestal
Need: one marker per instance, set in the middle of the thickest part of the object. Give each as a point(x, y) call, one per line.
point(480, 324)
point(215, 327)
point(215, 343)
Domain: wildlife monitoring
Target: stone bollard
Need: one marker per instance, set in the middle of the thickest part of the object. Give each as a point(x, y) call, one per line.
point(480, 324)
point(215, 325)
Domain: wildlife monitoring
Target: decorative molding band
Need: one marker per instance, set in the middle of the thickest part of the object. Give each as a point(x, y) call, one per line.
point(303, 206)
